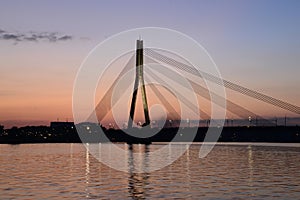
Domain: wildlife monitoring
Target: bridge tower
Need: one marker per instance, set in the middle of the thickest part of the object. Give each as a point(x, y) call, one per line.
point(139, 84)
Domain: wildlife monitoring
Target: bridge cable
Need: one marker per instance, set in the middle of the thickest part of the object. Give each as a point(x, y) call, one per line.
point(204, 92)
point(227, 84)
point(212, 78)
point(105, 105)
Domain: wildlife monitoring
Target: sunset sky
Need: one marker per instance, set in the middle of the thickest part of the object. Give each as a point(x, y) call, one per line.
point(43, 43)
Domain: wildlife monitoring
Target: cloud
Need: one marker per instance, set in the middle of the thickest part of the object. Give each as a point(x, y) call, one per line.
point(33, 36)
point(9, 36)
point(66, 37)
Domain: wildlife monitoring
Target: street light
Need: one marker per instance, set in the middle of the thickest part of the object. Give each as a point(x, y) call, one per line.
point(249, 120)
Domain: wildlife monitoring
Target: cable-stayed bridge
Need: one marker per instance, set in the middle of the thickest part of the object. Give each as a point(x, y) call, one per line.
point(194, 77)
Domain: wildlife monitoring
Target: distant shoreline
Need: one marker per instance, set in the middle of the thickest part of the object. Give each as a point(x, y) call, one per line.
point(69, 134)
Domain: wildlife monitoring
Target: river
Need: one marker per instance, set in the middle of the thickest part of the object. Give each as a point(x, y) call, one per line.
point(229, 171)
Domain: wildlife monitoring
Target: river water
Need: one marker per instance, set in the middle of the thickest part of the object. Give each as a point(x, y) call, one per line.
point(230, 171)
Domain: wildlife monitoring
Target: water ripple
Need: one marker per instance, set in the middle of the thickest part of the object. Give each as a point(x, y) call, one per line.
point(68, 171)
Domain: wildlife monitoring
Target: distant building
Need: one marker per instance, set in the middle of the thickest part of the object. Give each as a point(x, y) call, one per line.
point(1, 129)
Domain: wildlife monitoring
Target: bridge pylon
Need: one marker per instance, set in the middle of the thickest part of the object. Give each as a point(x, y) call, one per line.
point(139, 84)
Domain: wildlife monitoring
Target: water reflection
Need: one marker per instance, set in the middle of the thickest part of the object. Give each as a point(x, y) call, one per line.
point(87, 171)
point(137, 182)
point(187, 167)
point(71, 158)
point(250, 165)
point(69, 171)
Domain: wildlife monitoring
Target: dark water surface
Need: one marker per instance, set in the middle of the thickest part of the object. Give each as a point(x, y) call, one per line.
point(68, 171)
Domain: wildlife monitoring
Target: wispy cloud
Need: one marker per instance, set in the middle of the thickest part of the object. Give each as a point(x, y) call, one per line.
point(33, 36)
point(66, 37)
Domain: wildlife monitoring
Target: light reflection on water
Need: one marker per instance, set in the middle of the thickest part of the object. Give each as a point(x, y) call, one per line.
point(56, 171)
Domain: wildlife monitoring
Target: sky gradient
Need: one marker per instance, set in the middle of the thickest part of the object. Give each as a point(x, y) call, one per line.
point(254, 43)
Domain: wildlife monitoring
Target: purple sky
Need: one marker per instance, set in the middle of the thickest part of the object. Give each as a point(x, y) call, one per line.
point(254, 43)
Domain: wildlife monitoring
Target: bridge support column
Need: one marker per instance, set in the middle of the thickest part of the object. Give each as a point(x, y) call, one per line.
point(139, 81)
